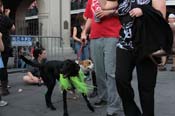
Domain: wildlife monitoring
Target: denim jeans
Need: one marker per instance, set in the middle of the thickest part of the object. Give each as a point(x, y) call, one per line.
point(85, 51)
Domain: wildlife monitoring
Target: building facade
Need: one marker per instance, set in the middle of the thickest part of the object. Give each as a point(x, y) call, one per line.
point(53, 16)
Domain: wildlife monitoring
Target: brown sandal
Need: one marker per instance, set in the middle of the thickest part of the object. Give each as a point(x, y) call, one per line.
point(162, 68)
point(172, 68)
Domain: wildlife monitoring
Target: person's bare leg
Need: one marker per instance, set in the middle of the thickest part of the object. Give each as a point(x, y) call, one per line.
point(31, 79)
point(162, 66)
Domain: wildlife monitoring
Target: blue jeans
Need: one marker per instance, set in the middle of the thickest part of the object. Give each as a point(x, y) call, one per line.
point(103, 53)
point(21, 63)
point(85, 51)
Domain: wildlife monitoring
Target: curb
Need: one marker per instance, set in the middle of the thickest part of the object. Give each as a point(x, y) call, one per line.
point(16, 70)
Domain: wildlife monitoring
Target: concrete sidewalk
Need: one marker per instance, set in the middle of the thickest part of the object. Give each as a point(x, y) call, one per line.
point(30, 102)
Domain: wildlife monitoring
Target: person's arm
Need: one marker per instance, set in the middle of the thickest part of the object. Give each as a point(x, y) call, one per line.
point(157, 4)
point(108, 4)
point(7, 13)
point(103, 13)
point(75, 35)
point(13, 28)
point(1, 43)
point(86, 28)
point(160, 5)
point(108, 8)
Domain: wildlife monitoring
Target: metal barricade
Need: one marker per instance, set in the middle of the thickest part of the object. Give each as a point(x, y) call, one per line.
point(53, 46)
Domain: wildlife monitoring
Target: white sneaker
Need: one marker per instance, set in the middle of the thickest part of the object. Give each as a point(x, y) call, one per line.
point(3, 103)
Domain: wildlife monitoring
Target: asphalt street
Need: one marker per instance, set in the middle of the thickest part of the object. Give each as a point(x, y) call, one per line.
point(28, 100)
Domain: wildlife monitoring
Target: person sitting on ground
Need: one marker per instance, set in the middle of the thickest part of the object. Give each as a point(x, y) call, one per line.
point(33, 76)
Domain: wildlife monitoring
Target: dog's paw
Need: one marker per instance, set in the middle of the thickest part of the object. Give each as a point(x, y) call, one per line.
point(52, 108)
point(91, 108)
point(65, 114)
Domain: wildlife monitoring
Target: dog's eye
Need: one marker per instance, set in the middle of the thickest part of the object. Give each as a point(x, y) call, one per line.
point(89, 63)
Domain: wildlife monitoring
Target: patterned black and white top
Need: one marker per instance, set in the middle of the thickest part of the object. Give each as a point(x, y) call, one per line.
point(126, 33)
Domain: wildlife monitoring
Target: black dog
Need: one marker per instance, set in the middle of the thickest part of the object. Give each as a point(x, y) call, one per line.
point(50, 72)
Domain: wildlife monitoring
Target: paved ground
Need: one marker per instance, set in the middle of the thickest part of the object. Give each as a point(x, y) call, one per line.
point(30, 102)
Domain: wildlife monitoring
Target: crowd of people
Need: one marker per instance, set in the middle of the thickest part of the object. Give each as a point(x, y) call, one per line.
point(115, 35)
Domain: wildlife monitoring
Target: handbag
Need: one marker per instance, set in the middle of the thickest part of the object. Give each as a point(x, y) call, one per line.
point(161, 52)
point(1, 62)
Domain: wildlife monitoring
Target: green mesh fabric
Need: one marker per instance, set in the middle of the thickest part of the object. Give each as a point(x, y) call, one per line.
point(64, 83)
point(78, 83)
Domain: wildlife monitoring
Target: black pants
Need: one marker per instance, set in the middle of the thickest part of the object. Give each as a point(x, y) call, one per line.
point(146, 76)
point(3, 71)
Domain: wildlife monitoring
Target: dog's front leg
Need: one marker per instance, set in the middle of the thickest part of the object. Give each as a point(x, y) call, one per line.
point(48, 95)
point(65, 103)
point(88, 103)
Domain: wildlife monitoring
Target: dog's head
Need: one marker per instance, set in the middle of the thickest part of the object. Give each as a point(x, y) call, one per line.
point(70, 68)
point(86, 65)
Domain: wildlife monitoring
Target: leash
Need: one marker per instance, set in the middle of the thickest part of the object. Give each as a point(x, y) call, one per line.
point(80, 50)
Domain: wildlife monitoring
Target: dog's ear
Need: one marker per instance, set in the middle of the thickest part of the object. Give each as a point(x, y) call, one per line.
point(76, 61)
point(79, 62)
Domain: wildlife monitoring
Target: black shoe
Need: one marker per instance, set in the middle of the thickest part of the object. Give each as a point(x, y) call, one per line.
point(100, 103)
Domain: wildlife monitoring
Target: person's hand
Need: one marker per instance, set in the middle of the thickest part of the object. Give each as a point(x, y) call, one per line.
point(136, 12)
point(83, 38)
point(83, 41)
point(83, 35)
point(102, 13)
point(7, 12)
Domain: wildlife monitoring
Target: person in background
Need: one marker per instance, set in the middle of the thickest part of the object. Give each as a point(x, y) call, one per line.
point(82, 48)
point(6, 25)
point(33, 75)
point(162, 66)
point(171, 20)
point(104, 34)
point(2, 102)
point(21, 63)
